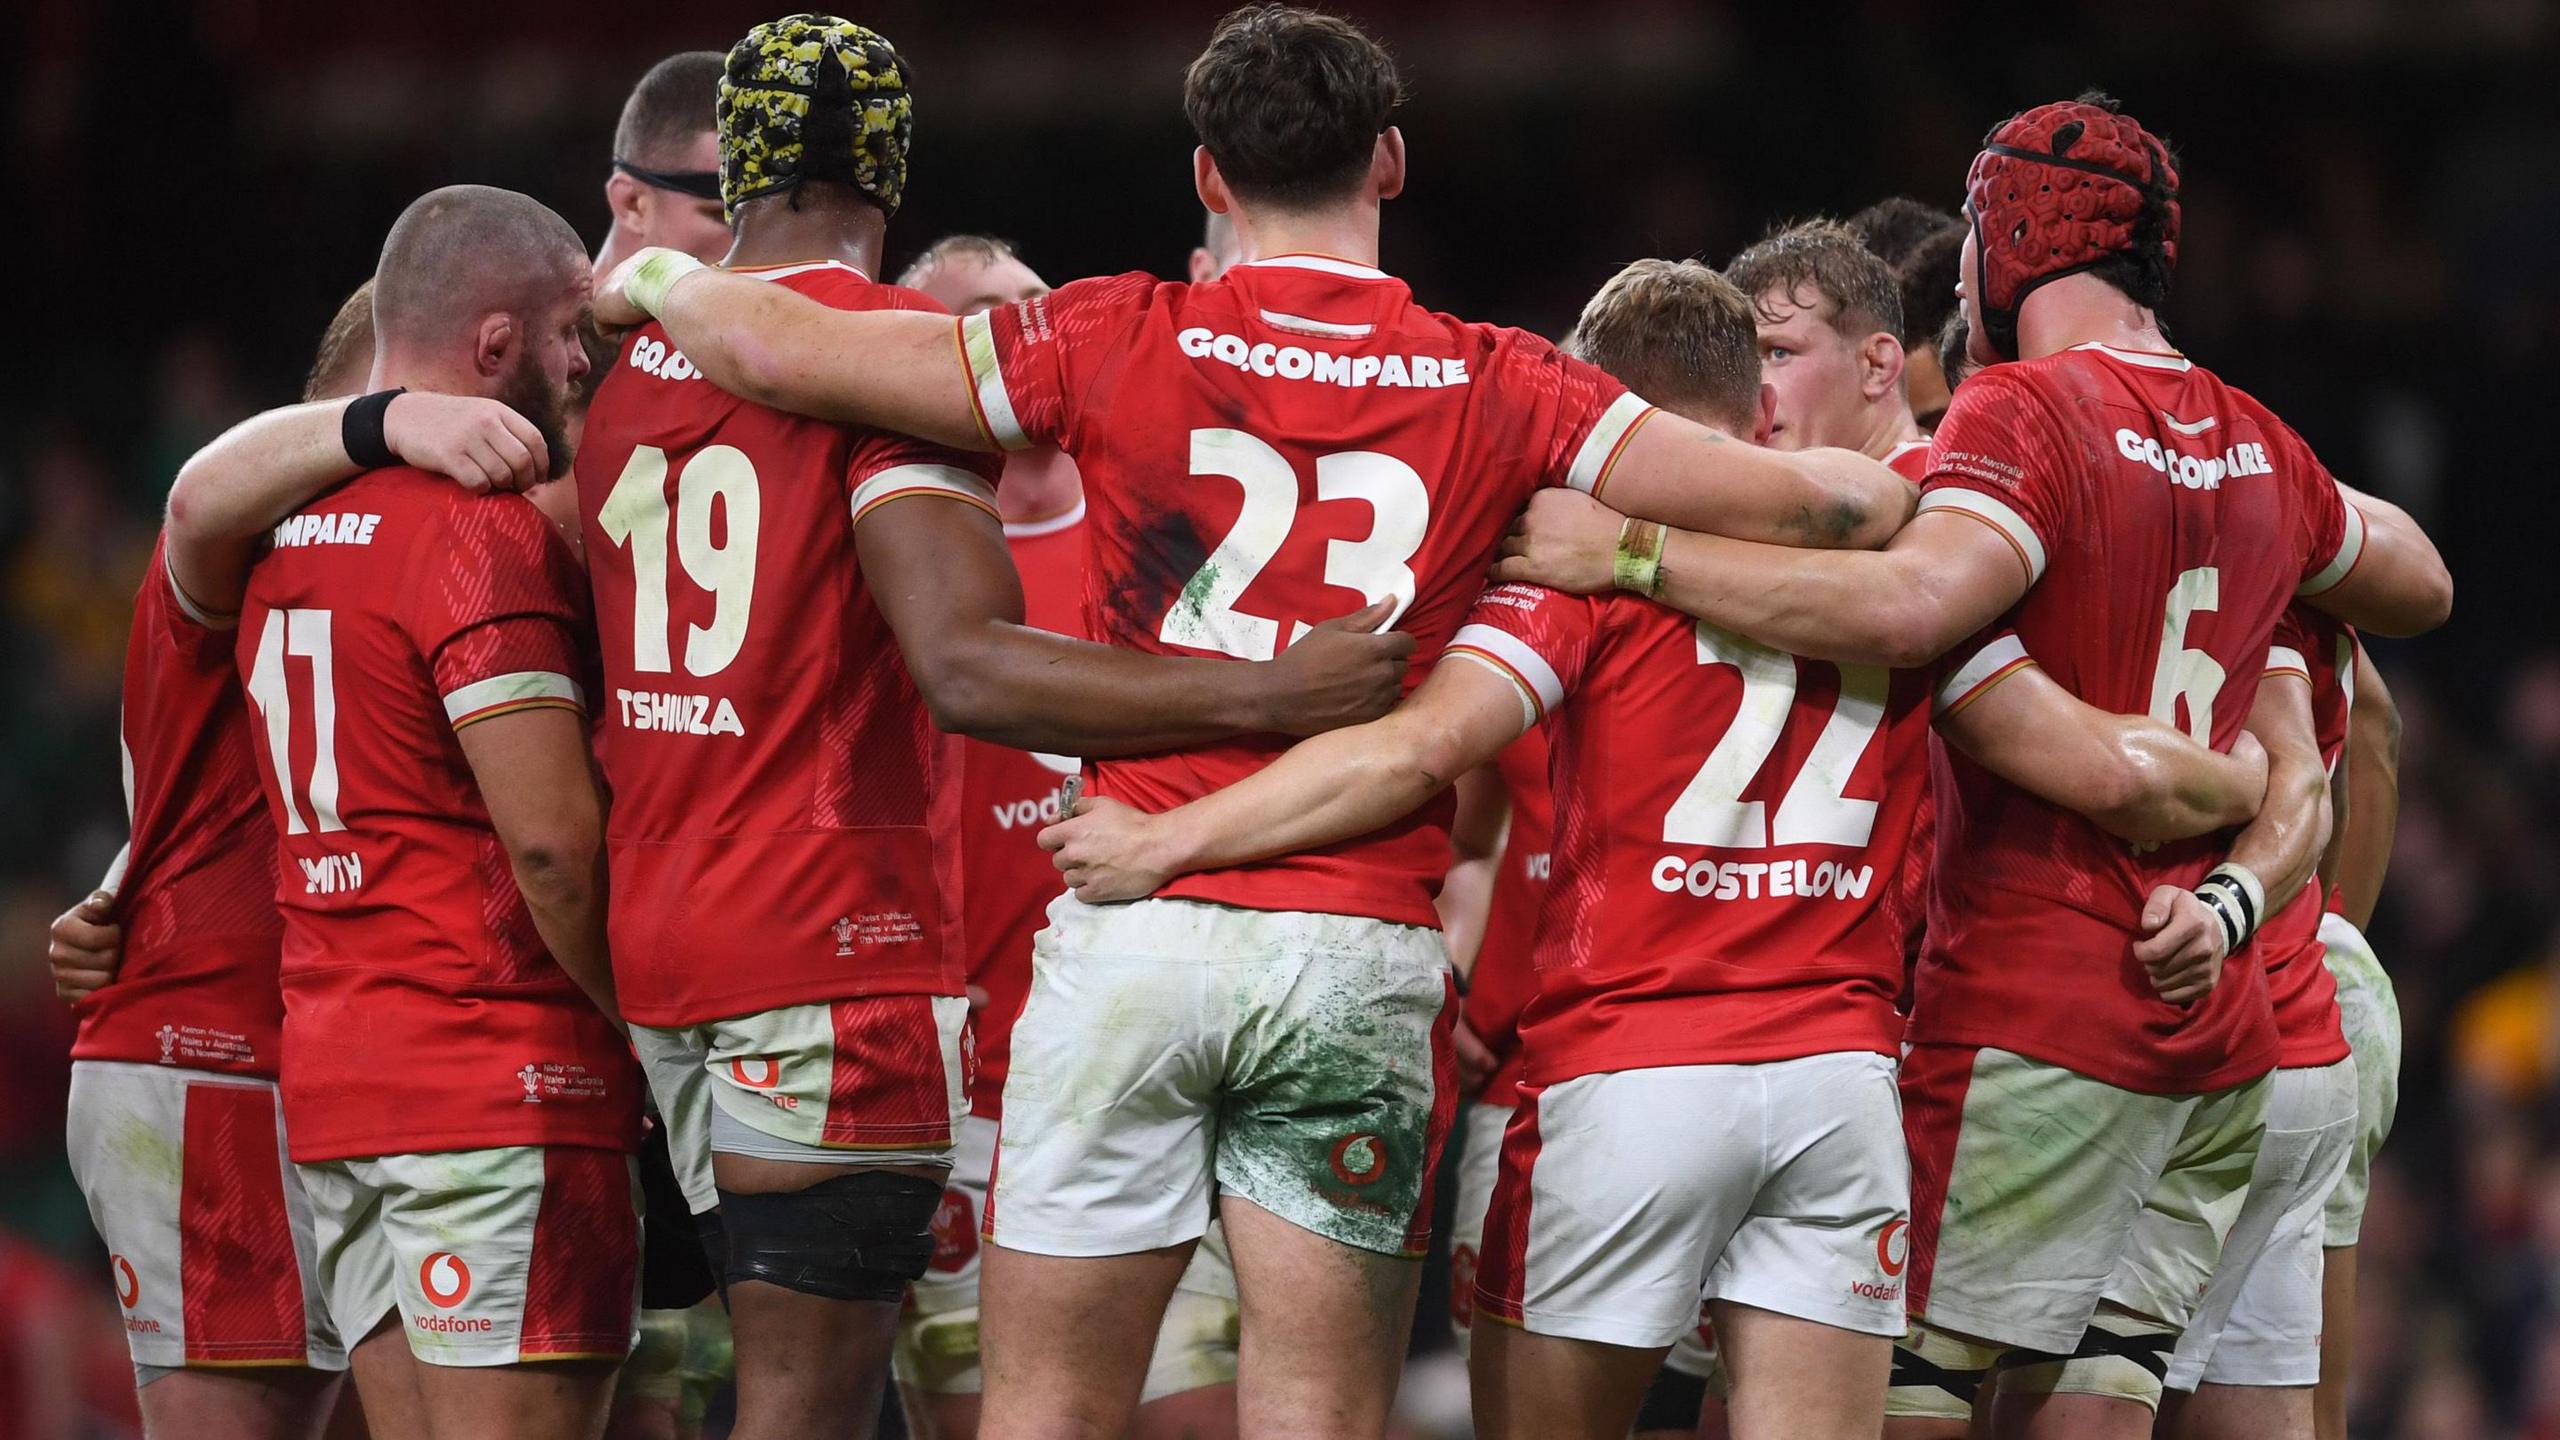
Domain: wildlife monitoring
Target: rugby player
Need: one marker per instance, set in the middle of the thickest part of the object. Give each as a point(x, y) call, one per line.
point(1723, 959)
point(2248, 1363)
point(458, 1102)
point(172, 967)
point(775, 758)
point(1216, 250)
point(1830, 318)
point(1006, 796)
point(664, 188)
point(2353, 870)
point(2148, 524)
point(1346, 446)
point(1921, 243)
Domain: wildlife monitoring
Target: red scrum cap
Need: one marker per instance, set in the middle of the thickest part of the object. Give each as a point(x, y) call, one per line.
point(2057, 190)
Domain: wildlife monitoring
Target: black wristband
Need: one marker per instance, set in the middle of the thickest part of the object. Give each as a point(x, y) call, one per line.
point(360, 431)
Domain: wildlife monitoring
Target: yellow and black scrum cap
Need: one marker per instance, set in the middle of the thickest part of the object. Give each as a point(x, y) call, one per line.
point(812, 97)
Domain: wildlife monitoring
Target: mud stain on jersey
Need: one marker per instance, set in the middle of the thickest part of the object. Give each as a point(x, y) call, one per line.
point(1169, 566)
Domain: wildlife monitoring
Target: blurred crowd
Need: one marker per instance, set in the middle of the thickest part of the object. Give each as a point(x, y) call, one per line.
point(2372, 192)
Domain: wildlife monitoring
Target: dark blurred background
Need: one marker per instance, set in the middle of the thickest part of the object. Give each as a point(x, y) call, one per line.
point(2372, 199)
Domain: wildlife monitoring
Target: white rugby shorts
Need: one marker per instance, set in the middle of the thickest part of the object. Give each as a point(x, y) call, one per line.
point(2029, 1181)
point(2259, 1320)
point(1480, 1128)
point(2369, 1010)
point(1172, 1049)
point(937, 1348)
point(208, 1231)
point(1627, 1198)
point(489, 1257)
point(874, 1080)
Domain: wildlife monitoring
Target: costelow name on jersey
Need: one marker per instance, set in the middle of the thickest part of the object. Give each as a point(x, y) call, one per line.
point(678, 714)
point(1743, 879)
point(339, 529)
point(1296, 362)
point(2193, 472)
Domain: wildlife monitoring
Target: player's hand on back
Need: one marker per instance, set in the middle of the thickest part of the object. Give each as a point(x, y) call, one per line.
point(478, 444)
point(87, 947)
point(1565, 541)
point(1343, 672)
point(1109, 851)
point(613, 306)
point(2182, 945)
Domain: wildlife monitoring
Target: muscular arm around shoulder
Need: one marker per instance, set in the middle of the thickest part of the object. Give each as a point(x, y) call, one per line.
point(233, 491)
point(893, 369)
point(535, 776)
point(2360, 852)
point(1677, 472)
point(1943, 577)
point(2397, 584)
point(2185, 944)
point(1330, 788)
point(2132, 776)
point(941, 575)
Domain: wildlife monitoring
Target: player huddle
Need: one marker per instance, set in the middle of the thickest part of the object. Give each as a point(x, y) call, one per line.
point(1908, 983)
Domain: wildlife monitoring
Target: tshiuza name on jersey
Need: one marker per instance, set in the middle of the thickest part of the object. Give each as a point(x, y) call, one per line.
point(678, 714)
point(2194, 472)
point(339, 529)
point(1751, 879)
point(331, 874)
point(1296, 362)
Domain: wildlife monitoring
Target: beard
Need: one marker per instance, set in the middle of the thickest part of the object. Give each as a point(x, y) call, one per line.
point(529, 392)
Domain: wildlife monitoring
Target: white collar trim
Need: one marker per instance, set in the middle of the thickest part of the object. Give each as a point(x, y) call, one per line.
point(1324, 264)
point(2143, 358)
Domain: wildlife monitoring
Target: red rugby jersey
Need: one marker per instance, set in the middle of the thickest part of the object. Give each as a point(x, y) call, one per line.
point(197, 900)
point(1728, 819)
point(2309, 1030)
point(784, 812)
point(1504, 977)
point(1908, 901)
point(2167, 520)
point(1008, 795)
point(422, 1012)
point(1267, 451)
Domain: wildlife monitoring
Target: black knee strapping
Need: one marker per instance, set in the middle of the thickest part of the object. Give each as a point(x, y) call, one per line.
point(1672, 1401)
point(2150, 1350)
point(1912, 1372)
point(862, 1235)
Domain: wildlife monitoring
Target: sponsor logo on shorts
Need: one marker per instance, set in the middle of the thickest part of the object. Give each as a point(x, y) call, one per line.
point(128, 1284)
point(446, 1280)
point(1359, 1158)
point(1462, 1286)
point(955, 1233)
point(1893, 1256)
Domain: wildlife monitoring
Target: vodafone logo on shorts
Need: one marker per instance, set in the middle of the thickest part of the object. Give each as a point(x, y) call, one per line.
point(445, 1278)
point(1893, 1256)
point(1893, 1247)
point(955, 1232)
point(756, 1072)
point(128, 1284)
point(1359, 1158)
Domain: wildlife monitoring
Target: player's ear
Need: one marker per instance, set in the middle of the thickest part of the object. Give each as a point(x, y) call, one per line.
point(1211, 185)
point(1880, 363)
point(628, 199)
point(1767, 415)
point(1386, 166)
point(494, 342)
